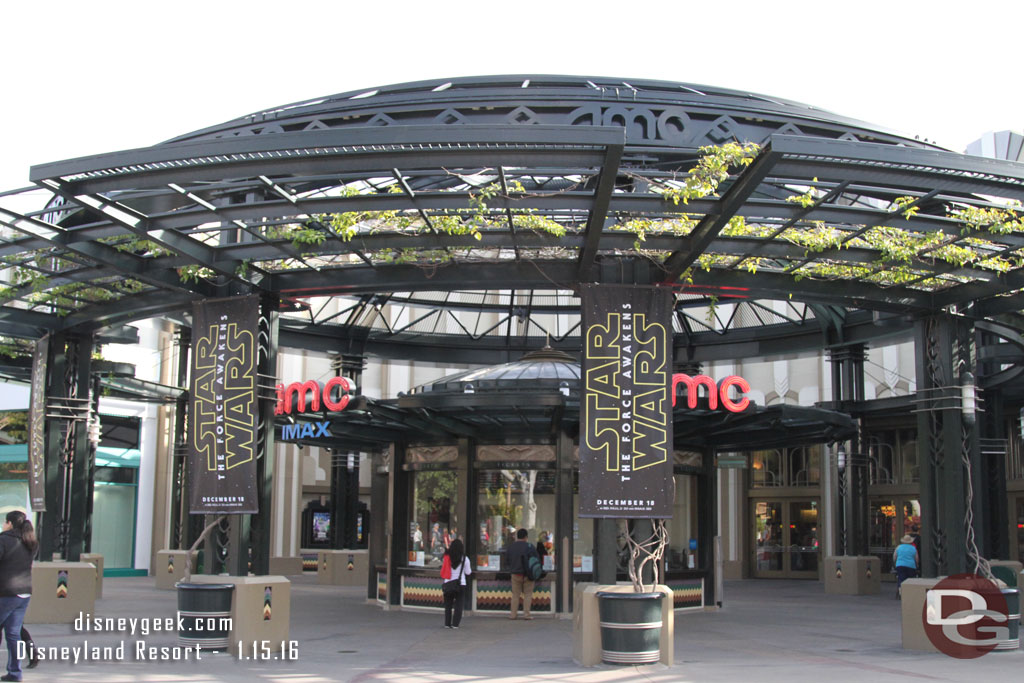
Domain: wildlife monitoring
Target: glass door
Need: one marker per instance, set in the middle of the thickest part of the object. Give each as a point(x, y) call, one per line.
point(785, 539)
point(803, 539)
point(882, 533)
point(890, 520)
point(768, 542)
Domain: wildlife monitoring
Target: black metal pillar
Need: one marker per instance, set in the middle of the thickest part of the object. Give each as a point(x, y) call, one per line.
point(259, 524)
point(93, 432)
point(707, 522)
point(606, 551)
point(63, 527)
point(181, 537)
point(995, 430)
point(344, 501)
point(378, 531)
point(563, 539)
point(465, 507)
point(942, 349)
point(399, 508)
point(49, 522)
point(851, 529)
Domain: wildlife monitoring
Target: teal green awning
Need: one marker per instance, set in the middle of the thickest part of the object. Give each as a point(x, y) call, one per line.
point(117, 457)
point(14, 452)
point(105, 456)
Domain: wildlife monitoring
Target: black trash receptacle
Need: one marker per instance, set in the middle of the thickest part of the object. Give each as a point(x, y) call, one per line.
point(205, 610)
point(630, 627)
point(1012, 642)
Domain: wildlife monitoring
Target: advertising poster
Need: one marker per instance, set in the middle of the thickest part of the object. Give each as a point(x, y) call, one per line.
point(37, 428)
point(223, 407)
point(626, 424)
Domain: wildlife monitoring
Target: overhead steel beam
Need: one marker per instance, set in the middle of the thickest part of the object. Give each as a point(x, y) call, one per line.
point(599, 210)
point(141, 225)
point(713, 222)
point(726, 284)
point(305, 152)
point(119, 262)
point(926, 169)
point(128, 309)
point(400, 278)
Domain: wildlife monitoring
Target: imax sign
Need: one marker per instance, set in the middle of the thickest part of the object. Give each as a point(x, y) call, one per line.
point(307, 430)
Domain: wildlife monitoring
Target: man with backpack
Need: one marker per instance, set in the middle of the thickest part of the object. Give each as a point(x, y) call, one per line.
point(524, 564)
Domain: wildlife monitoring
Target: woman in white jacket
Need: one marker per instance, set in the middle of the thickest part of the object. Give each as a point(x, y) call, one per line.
point(454, 588)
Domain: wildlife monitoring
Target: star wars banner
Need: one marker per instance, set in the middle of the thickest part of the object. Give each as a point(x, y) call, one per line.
point(626, 423)
point(37, 428)
point(223, 407)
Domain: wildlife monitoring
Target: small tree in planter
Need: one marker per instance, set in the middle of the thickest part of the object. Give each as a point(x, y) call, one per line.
point(646, 551)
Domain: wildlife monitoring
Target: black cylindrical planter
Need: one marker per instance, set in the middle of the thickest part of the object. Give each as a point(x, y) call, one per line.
point(205, 610)
point(630, 627)
point(1012, 597)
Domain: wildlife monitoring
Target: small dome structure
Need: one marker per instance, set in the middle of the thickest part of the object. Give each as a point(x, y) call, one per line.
point(539, 369)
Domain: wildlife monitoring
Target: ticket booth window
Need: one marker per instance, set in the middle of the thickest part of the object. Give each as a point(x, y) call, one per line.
point(433, 516)
point(509, 500)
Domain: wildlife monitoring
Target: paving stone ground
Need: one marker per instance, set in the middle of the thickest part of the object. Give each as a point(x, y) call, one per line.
point(767, 631)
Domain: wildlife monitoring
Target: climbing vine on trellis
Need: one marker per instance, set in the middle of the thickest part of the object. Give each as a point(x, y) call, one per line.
point(910, 247)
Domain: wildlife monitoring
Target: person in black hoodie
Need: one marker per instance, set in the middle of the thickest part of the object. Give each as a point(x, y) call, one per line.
point(17, 547)
point(516, 556)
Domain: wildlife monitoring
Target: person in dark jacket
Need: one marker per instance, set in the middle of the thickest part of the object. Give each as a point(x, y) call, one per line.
point(516, 555)
point(17, 547)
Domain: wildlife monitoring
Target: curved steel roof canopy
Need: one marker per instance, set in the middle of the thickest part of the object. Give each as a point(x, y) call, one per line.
point(500, 195)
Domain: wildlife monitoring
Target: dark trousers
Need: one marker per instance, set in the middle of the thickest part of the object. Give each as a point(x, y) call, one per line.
point(904, 573)
point(453, 600)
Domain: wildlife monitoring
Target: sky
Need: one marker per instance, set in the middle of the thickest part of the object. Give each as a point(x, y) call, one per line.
point(92, 77)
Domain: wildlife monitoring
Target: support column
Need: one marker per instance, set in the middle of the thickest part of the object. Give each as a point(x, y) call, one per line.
point(344, 475)
point(63, 527)
point(605, 551)
point(942, 348)
point(707, 523)
point(256, 528)
point(52, 540)
point(378, 541)
point(181, 536)
point(563, 539)
point(92, 429)
point(465, 509)
point(993, 440)
point(399, 510)
point(852, 466)
point(78, 501)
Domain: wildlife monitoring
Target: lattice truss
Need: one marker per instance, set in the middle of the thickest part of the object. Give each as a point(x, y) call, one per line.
point(484, 229)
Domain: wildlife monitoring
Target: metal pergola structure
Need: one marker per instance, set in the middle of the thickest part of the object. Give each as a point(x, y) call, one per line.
point(474, 207)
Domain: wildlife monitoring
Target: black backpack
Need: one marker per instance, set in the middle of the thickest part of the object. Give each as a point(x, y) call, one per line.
point(534, 567)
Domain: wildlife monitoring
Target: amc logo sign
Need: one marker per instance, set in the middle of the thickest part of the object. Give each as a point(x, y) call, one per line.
point(716, 393)
point(312, 396)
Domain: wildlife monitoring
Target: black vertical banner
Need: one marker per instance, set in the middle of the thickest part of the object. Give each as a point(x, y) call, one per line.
point(223, 406)
point(626, 424)
point(37, 427)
